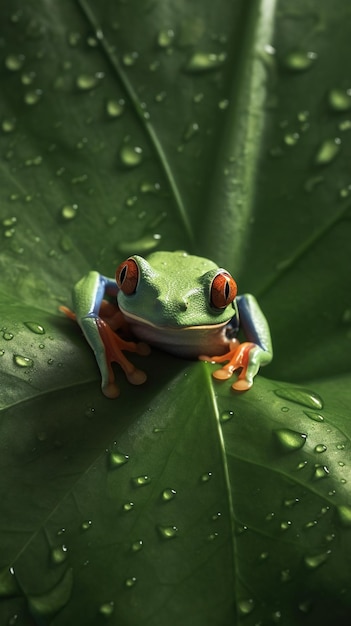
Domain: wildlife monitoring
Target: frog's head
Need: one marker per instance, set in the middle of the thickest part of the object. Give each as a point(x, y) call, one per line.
point(174, 289)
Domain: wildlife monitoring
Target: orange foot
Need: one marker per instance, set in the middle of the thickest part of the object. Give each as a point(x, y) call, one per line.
point(244, 356)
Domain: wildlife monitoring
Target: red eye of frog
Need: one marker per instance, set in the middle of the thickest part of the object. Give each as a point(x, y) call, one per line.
point(127, 276)
point(223, 290)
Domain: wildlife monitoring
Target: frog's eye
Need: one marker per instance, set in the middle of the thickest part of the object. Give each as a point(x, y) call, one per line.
point(223, 290)
point(127, 275)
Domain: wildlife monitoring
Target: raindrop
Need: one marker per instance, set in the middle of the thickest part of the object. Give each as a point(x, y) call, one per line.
point(290, 502)
point(14, 62)
point(8, 583)
point(160, 97)
point(327, 151)
point(167, 532)
point(321, 471)
point(129, 58)
point(117, 459)
point(285, 525)
point(69, 211)
point(311, 524)
point(74, 39)
point(312, 562)
point(130, 582)
point(115, 108)
point(128, 506)
point(86, 82)
point(316, 417)
point(339, 99)
point(86, 525)
point(345, 125)
point(106, 609)
point(32, 97)
point(23, 361)
point(305, 606)
point(344, 515)
point(147, 187)
point(8, 125)
point(54, 600)
point(301, 396)
point(131, 156)
point(35, 328)
point(168, 494)
point(141, 481)
point(204, 62)
point(299, 60)
point(59, 554)
point(223, 104)
point(321, 447)
point(137, 545)
point(291, 139)
point(165, 37)
point(204, 478)
point(190, 131)
point(289, 440)
point(7, 336)
point(246, 606)
point(226, 416)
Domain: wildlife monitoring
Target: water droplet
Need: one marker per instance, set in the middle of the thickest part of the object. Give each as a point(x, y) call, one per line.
point(33, 96)
point(2, 352)
point(69, 211)
point(311, 524)
point(204, 62)
point(289, 440)
point(141, 481)
point(345, 125)
point(168, 494)
point(128, 506)
point(167, 532)
point(54, 600)
point(344, 515)
point(312, 562)
point(13, 620)
point(7, 336)
point(301, 465)
point(23, 361)
point(14, 62)
point(226, 416)
point(117, 459)
point(291, 139)
point(316, 417)
point(263, 556)
point(212, 537)
point(204, 478)
point(190, 131)
point(130, 582)
point(299, 60)
point(305, 397)
point(137, 545)
point(321, 447)
point(246, 606)
point(327, 151)
point(59, 554)
point(8, 125)
point(339, 99)
point(148, 187)
point(8, 583)
point(321, 471)
point(86, 82)
point(285, 576)
point(66, 243)
point(290, 502)
point(285, 525)
point(86, 525)
point(340, 446)
point(161, 96)
point(131, 156)
point(305, 606)
point(130, 58)
point(74, 39)
point(106, 609)
point(165, 37)
point(223, 104)
point(115, 108)
point(35, 328)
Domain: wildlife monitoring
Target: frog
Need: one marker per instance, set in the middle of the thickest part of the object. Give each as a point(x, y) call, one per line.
point(181, 303)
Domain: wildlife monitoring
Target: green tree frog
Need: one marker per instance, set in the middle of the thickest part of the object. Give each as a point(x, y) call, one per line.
point(183, 304)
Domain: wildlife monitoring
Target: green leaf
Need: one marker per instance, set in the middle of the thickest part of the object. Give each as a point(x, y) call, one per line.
point(223, 130)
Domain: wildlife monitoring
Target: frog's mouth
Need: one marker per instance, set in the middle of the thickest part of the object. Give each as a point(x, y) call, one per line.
point(188, 341)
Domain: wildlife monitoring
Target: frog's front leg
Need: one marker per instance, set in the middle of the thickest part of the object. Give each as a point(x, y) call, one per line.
point(98, 321)
point(250, 355)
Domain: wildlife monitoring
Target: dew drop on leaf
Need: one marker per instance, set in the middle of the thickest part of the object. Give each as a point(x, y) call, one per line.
point(59, 554)
point(23, 361)
point(86, 525)
point(302, 396)
point(168, 494)
point(204, 62)
point(137, 545)
point(339, 99)
point(117, 459)
point(299, 60)
point(289, 440)
point(226, 416)
point(327, 151)
point(130, 58)
point(14, 62)
point(285, 525)
point(190, 131)
point(131, 156)
point(53, 600)
point(321, 471)
point(165, 37)
point(35, 328)
point(321, 447)
point(316, 417)
point(312, 562)
point(114, 108)
point(344, 515)
point(32, 97)
point(69, 211)
point(141, 481)
point(106, 609)
point(167, 532)
point(285, 576)
point(130, 582)
point(128, 506)
point(8, 583)
point(204, 478)
point(7, 336)
point(8, 125)
point(86, 82)
point(246, 606)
